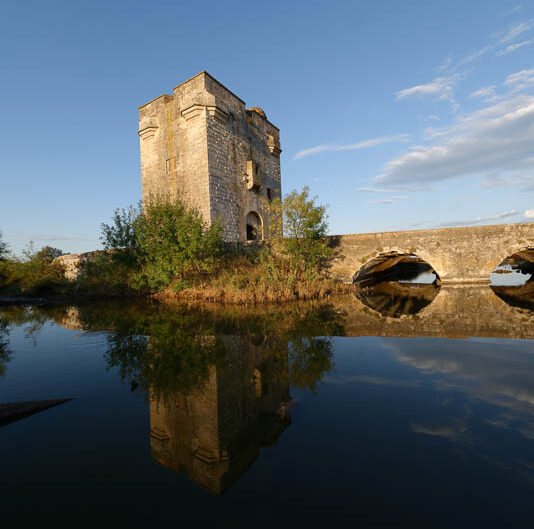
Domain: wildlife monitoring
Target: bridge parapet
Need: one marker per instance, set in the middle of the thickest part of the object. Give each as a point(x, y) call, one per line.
point(458, 255)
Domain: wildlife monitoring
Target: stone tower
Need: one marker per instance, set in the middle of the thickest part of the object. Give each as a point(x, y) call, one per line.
point(224, 159)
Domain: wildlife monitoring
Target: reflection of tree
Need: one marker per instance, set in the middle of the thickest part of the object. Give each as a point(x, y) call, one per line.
point(4, 343)
point(175, 356)
point(308, 360)
point(31, 318)
point(310, 352)
point(171, 349)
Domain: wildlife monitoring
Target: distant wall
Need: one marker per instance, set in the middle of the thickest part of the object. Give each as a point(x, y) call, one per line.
point(73, 262)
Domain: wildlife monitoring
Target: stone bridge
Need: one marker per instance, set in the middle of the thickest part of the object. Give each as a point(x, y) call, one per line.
point(458, 255)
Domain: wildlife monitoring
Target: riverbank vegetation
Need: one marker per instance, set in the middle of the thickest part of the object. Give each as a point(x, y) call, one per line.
point(165, 249)
point(33, 274)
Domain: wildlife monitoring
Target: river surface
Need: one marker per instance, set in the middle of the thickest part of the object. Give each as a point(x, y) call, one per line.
point(400, 406)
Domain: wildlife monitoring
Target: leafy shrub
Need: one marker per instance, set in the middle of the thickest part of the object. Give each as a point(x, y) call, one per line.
point(34, 273)
point(299, 228)
point(4, 249)
point(163, 241)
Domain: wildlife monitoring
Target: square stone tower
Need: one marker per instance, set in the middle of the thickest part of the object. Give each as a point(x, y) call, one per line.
point(224, 159)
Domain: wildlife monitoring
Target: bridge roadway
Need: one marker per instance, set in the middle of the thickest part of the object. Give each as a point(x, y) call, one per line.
point(458, 255)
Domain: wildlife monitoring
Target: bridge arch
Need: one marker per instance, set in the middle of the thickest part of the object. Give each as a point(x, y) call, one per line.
point(458, 255)
point(518, 251)
point(396, 262)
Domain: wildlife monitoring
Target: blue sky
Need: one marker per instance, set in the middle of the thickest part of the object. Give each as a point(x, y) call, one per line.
point(398, 115)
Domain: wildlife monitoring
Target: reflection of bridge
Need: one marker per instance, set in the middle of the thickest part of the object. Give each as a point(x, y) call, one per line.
point(467, 254)
point(454, 312)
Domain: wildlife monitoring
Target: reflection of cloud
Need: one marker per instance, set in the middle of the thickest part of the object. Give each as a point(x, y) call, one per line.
point(451, 431)
point(368, 379)
point(483, 372)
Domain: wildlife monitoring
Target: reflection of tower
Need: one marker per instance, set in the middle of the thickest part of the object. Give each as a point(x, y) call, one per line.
point(215, 432)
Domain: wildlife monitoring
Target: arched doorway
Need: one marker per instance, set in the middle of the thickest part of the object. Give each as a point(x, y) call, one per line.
point(254, 227)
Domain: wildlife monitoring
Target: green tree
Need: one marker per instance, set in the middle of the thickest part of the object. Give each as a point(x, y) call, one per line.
point(121, 234)
point(162, 241)
point(33, 273)
point(46, 255)
point(4, 250)
point(299, 226)
point(173, 241)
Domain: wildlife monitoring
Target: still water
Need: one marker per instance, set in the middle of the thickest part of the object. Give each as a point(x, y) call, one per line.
point(403, 405)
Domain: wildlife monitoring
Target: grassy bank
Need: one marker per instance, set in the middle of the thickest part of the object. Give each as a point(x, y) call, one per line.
point(253, 278)
point(166, 250)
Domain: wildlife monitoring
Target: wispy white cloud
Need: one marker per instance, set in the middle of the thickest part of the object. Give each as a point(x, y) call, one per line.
point(486, 93)
point(377, 189)
point(473, 56)
point(495, 140)
point(390, 200)
point(511, 11)
point(479, 220)
point(442, 88)
point(520, 81)
point(529, 214)
point(365, 144)
point(504, 37)
point(446, 64)
point(50, 237)
point(514, 30)
point(513, 47)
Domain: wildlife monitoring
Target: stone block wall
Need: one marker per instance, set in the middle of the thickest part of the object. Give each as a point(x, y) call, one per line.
point(466, 254)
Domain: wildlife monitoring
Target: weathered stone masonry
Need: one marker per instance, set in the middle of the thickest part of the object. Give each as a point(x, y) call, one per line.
point(467, 254)
point(223, 158)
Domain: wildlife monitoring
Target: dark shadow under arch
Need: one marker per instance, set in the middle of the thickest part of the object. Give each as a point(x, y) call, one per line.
point(393, 266)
